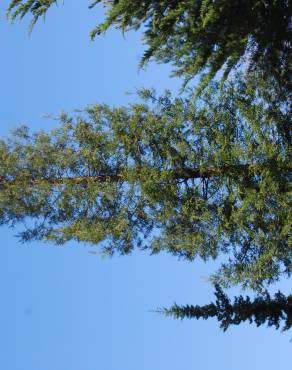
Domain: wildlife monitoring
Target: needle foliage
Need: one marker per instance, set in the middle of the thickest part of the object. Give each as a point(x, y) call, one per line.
point(198, 36)
point(196, 178)
point(263, 310)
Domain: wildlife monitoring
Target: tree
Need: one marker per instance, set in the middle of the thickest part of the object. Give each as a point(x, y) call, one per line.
point(199, 35)
point(197, 178)
point(262, 310)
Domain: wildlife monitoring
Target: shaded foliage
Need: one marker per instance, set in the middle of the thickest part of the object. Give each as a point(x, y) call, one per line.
point(199, 35)
point(262, 310)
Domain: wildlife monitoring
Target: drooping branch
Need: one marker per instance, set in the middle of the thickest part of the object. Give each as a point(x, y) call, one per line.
point(222, 32)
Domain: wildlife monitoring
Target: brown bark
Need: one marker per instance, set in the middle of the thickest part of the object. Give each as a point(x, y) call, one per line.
point(183, 174)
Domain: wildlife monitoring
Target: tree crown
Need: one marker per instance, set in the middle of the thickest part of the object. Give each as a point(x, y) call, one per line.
point(262, 310)
point(193, 177)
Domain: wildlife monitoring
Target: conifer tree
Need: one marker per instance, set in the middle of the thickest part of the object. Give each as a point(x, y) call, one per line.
point(199, 35)
point(274, 312)
point(197, 178)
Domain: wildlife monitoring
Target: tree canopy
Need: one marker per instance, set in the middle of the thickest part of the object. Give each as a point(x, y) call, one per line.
point(206, 177)
point(199, 36)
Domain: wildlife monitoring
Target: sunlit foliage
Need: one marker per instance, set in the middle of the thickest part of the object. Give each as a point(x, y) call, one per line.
point(196, 178)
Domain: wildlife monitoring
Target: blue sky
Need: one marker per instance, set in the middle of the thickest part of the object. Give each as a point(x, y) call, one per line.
point(63, 308)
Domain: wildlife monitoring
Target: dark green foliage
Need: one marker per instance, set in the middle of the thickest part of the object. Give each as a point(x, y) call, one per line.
point(195, 178)
point(199, 35)
point(262, 310)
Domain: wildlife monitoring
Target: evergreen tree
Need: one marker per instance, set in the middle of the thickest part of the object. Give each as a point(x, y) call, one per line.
point(199, 35)
point(197, 178)
point(262, 310)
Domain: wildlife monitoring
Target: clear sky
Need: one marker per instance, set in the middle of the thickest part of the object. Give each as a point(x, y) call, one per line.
point(63, 308)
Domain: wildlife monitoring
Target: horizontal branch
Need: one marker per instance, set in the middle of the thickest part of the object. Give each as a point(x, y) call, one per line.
point(177, 174)
point(62, 180)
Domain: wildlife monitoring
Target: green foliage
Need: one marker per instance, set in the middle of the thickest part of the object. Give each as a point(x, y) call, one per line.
point(262, 310)
point(197, 178)
point(38, 8)
point(199, 36)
